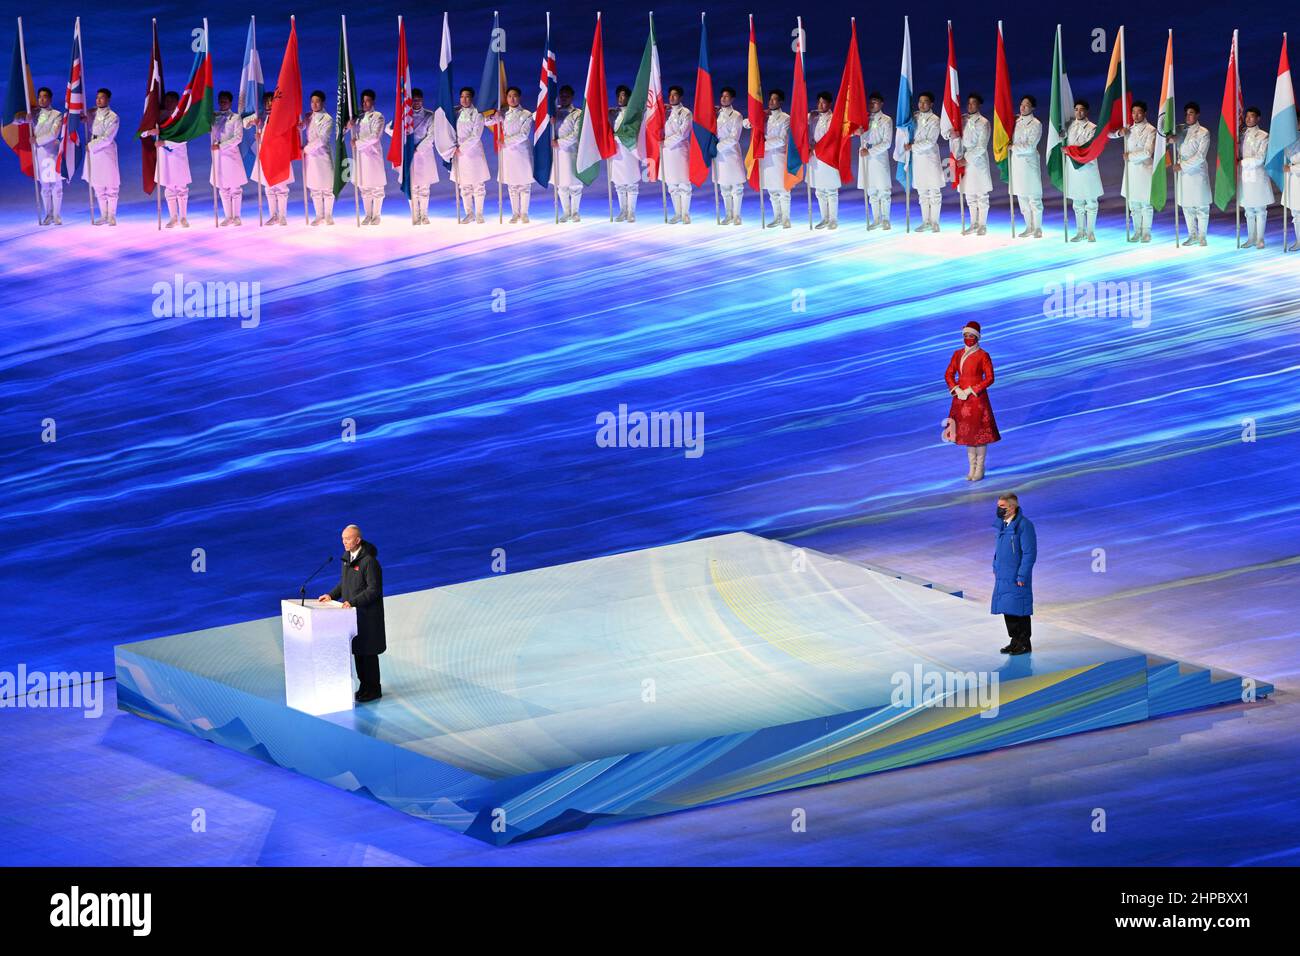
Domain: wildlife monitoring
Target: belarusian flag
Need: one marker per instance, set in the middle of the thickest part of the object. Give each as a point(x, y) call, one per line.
point(642, 127)
point(849, 114)
point(1225, 164)
point(192, 116)
point(950, 118)
point(797, 151)
point(1061, 111)
point(1282, 131)
point(345, 108)
point(1114, 109)
point(756, 114)
point(1166, 126)
point(1004, 114)
point(595, 138)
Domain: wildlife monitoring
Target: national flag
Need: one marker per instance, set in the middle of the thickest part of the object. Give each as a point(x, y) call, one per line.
point(252, 86)
point(492, 86)
point(20, 94)
point(1282, 130)
point(950, 118)
point(1061, 112)
point(74, 112)
point(1166, 127)
point(642, 126)
point(345, 109)
point(193, 114)
point(704, 129)
point(1004, 113)
point(401, 146)
point(281, 139)
point(849, 114)
point(1114, 113)
point(797, 149)
point(1225, 164)
point(903, 121)
point(152, 108)
point(756, 114)
point(548, 90)
point(595, 138)
point(444, 101)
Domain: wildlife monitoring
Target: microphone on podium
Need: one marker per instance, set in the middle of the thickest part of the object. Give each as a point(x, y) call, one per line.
point(302, 591)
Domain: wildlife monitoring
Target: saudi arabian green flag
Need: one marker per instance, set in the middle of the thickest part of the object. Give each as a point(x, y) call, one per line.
point(345, 108)
point(1062, 111)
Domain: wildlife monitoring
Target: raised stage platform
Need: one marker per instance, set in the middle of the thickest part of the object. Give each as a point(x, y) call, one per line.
point(642, 683)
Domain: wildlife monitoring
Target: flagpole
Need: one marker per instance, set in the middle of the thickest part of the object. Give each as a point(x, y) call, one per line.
point(609, 189)
point(31, 125)
point(1236, 119)
point(157, 161)
point(1128, 120)
point(261, 174)
point(306, 215)
point(85, 89)
point(907, 188)
point(352, 132)
point(497, 141)
point(1178, 175)
point(216, 160)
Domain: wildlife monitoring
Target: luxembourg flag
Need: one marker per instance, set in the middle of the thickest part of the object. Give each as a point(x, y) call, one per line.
point(1282, 131)
point(444, 106)
point(903, 108)
point(401, 148)
point(547, 92)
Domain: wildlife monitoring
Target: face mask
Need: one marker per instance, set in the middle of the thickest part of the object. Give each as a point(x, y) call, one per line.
point(1002, 512)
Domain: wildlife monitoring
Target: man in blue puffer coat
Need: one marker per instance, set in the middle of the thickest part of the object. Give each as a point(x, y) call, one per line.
point(1013, 568)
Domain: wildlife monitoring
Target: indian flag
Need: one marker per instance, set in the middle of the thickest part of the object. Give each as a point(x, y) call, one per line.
point(1004, 114)
point(1166, 126)
point(1062, 109)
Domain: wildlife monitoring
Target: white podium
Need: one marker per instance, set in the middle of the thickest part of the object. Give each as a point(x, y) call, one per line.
point(318, 655)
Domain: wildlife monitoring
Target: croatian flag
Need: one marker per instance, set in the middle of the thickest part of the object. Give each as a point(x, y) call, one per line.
point(547, 92)
point(401, 148)
point(1282, 131)
point(903, 109)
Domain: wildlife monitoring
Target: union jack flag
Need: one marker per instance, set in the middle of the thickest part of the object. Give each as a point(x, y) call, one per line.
point(74, 112)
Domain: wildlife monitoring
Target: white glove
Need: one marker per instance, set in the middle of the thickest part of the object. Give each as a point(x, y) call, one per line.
point(963, 393)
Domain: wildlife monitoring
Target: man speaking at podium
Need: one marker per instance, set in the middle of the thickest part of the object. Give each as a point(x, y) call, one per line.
point(361, 586)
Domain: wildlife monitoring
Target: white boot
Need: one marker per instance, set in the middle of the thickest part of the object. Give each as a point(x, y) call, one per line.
point(970, 459)
point(835, 210)
point(173, 208)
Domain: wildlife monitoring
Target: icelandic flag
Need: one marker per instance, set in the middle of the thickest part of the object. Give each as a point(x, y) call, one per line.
point(704, 129)
point(252, 85)
point(547, 92)
point(444, 106)
point(1282, 130)
point(401, 148)
point(74, 112)
point(903, 122)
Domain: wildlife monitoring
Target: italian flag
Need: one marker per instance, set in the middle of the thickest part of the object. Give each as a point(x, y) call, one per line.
point(1166, 126)
point(1225, 166)
point(192, 116)
point(595, 139)
point(1114, 108)
point(1062, 109)
point(1004, 114)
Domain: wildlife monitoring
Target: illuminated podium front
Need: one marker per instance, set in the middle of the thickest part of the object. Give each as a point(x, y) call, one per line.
point(318, 655)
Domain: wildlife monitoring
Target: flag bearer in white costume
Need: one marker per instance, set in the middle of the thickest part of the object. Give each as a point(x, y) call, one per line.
point(515, 168)
point(173, 174)
point(772, 167)
point(277, 196)
point(1027, 167)
point(469, 167)
point(823, 177)
point(424, 161)
point(874, 177)
point(927, 168)
point(976, 180)
point(729, 163)
point(318, 161)
point(1139, 158)
point(1082, 183)
point(1291, 195)
point(228, 173)
point(46, 124)
point(101, 169)
point(564, 172)
point(677, 146)
point(1192, 172)
point(1256, 187)
point(625, 166)
point(371, 172)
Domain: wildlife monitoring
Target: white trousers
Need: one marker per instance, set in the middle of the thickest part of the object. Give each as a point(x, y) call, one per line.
point(52, 197)
point(519, 196)
point(1198, 219)
point(322, 201)
point(230, 201)
point(1031, 207)
point(881, 200)
point(1143, 213)
point(107, 196)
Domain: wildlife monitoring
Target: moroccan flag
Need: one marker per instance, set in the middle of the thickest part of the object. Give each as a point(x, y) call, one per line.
point(345, 109)
point(849, 115)
point(595, 138)
point(1062, 109)
point(281, 139)
point(1166, 127)
point(74, 112)
point(1114, 108)
point(20, 94)
point(950, 118)
point(1004, 114)
point(797, 150)
point(192, 116)
point(152, 107)
point(547, 92)
point(1282, 131)
point(492, 86)
point(704, 131)
point(1225, 165)
point(757, 115)
point(643, 120)
point(401, 147)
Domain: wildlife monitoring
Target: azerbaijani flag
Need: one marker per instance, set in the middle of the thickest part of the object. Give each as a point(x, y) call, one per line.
point(704, 130)
point(903, 121)
point(547, 92)
point(797, 151)
point(1225, 164)
point(642, 127)
point(20, 94)
point(1114, 108)
point(849, 114)
point(281, 139)
point(192, 116)
point(595, 138)
point(757, 115)
point(1004, 113)
point(1282, 130)
point(950, 118)
point(401, 146)
point(1166, 127)
point(1062, 109)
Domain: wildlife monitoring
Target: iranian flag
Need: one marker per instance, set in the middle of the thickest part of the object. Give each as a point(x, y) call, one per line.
point(1166, 127)
point(1114, 108)
point(950, 119)
point(1004, 114)
point(1062, 108)
point(595, 139)
point(1225, 164)
point(757, 116)
point(192, 116)
point(643, 120)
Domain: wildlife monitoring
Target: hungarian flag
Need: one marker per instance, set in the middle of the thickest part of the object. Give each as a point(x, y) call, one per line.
point(757, 116)
point(1225, 164)
point(595, 138)
point(849, 115)
point(492, 85)
point(797, 150)
point(1282, 131)
point(401, 147)
point(1166, 127)
point(704, 130)
point(152, 108)
point(74, 112)
point(1062, 109)
point(1004, 113)
point(345, 109)
point(281, 139)
point(1114, 108)
point(20, 95)
point(950, 119)
point(643, 120)
point(192, 116)
point(547, 92)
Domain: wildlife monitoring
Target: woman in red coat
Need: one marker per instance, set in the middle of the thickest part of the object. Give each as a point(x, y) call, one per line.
point(969, 375)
